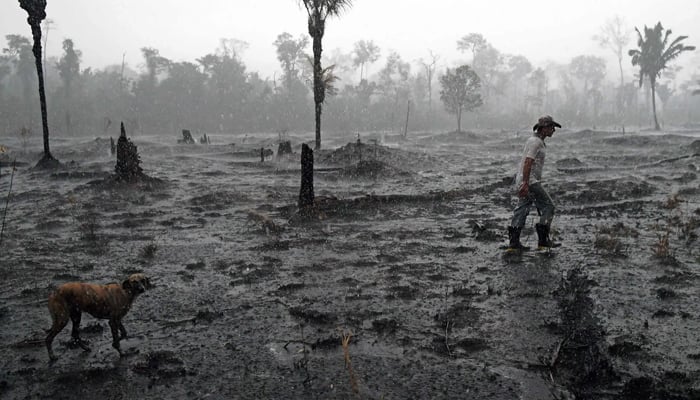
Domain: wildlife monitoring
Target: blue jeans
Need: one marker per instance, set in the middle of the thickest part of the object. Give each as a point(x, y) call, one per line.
point(542, 201)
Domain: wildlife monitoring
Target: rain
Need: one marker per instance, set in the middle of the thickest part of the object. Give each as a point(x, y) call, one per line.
point(324, 199)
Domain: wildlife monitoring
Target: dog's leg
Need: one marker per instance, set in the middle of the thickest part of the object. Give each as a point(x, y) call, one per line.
point(59, 315)
point(122, 330)
point(75, 315)
point(114, 325)
point(58, 325)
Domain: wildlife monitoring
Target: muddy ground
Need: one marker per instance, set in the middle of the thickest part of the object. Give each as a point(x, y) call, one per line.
point(397, 288)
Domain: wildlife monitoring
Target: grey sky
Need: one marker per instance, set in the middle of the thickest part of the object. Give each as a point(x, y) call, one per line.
point(183, 30)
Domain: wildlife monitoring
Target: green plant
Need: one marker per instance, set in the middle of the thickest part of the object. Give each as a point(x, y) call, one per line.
point(608, 239)
point(87, 224)
point(662, 248)
point(609, 244)
point(345, 341)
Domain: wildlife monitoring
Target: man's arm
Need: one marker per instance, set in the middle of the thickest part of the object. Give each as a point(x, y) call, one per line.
point(525, 186)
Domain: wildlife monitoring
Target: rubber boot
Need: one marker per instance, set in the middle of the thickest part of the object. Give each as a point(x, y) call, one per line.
point(543, 240)
point(514, 239)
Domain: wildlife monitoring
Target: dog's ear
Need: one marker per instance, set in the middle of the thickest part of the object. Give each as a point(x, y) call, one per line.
point(126, 285)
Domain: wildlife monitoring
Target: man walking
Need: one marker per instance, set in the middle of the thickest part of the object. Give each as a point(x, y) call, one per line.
point(530, 189)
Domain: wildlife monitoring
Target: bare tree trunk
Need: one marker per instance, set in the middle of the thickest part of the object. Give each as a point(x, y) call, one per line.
point(408, 111)
point(319, 89)
point(621, 96)
point(653, 104)
point(36, 49)
point(68, 107)
point(317, 117)
point(459, 121)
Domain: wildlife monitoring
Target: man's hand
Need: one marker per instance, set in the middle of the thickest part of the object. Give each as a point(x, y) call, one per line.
point(524, 189)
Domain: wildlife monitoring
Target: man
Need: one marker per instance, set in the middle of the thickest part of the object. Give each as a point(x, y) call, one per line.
point(530, 189)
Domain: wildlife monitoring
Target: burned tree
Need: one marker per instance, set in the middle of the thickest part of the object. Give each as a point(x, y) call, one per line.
point(37, 12)
point(186, 137)
point(306, 193)
point(284, 148)
point(318, 11)
point(127, 168)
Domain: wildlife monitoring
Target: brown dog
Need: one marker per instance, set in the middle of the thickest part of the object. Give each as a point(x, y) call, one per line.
point(110, 302)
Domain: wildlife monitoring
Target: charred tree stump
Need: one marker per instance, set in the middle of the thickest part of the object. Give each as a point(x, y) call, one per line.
point(128, 160)
point(306, 194)
point(186, 137)
point(262, 154)
point(284, 148)
point(112, 146)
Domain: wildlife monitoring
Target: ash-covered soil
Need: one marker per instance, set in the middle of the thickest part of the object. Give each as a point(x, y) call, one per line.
point(395, 288)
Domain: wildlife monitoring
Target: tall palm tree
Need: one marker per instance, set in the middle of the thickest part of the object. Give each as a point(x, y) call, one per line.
point(37, 12)
point(653, 56)
point(318, 11)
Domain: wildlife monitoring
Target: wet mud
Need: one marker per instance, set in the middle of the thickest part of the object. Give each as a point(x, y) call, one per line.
point(395, 286)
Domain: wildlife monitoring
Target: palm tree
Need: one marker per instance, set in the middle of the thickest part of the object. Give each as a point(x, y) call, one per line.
point(365, 52)
point(37, 12)
point(653, 56)
point(318, 11)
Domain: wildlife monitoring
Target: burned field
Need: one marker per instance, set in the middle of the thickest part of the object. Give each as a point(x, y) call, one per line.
point(395, 288)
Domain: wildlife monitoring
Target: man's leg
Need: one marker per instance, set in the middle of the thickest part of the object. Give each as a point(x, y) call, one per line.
point(516, 225)
point(545, 205)
point(520, 212)
point(543, 202)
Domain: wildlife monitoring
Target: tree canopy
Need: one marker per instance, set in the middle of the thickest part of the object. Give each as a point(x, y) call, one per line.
point(654, 53)
point(460, 91)
point(318, 11)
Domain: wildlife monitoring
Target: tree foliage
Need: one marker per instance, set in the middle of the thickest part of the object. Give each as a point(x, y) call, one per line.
point(69, 64)
point(318, 11)
point(69, 70)
point(615, 35)
point(217, 93)
point(365, 52)
point(460, 91)
point(290, 53)
point(655, 50)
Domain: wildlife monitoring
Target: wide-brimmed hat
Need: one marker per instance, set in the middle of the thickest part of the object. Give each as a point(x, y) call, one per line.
point(544, 121)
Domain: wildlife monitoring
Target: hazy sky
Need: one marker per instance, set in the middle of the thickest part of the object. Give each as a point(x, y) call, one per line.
point(183, 30)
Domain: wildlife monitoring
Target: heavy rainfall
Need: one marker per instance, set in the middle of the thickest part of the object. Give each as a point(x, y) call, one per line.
point(348, 224)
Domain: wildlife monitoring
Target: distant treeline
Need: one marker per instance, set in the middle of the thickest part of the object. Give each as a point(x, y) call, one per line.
point(216, 93)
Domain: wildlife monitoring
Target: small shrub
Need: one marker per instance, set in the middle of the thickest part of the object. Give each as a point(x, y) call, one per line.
point(609, 244)
point(673, 201)
point(89, 227)
point(662, 248)
point(221, 265)
point(149, 251)
point(608, 239)
point(687, 229)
